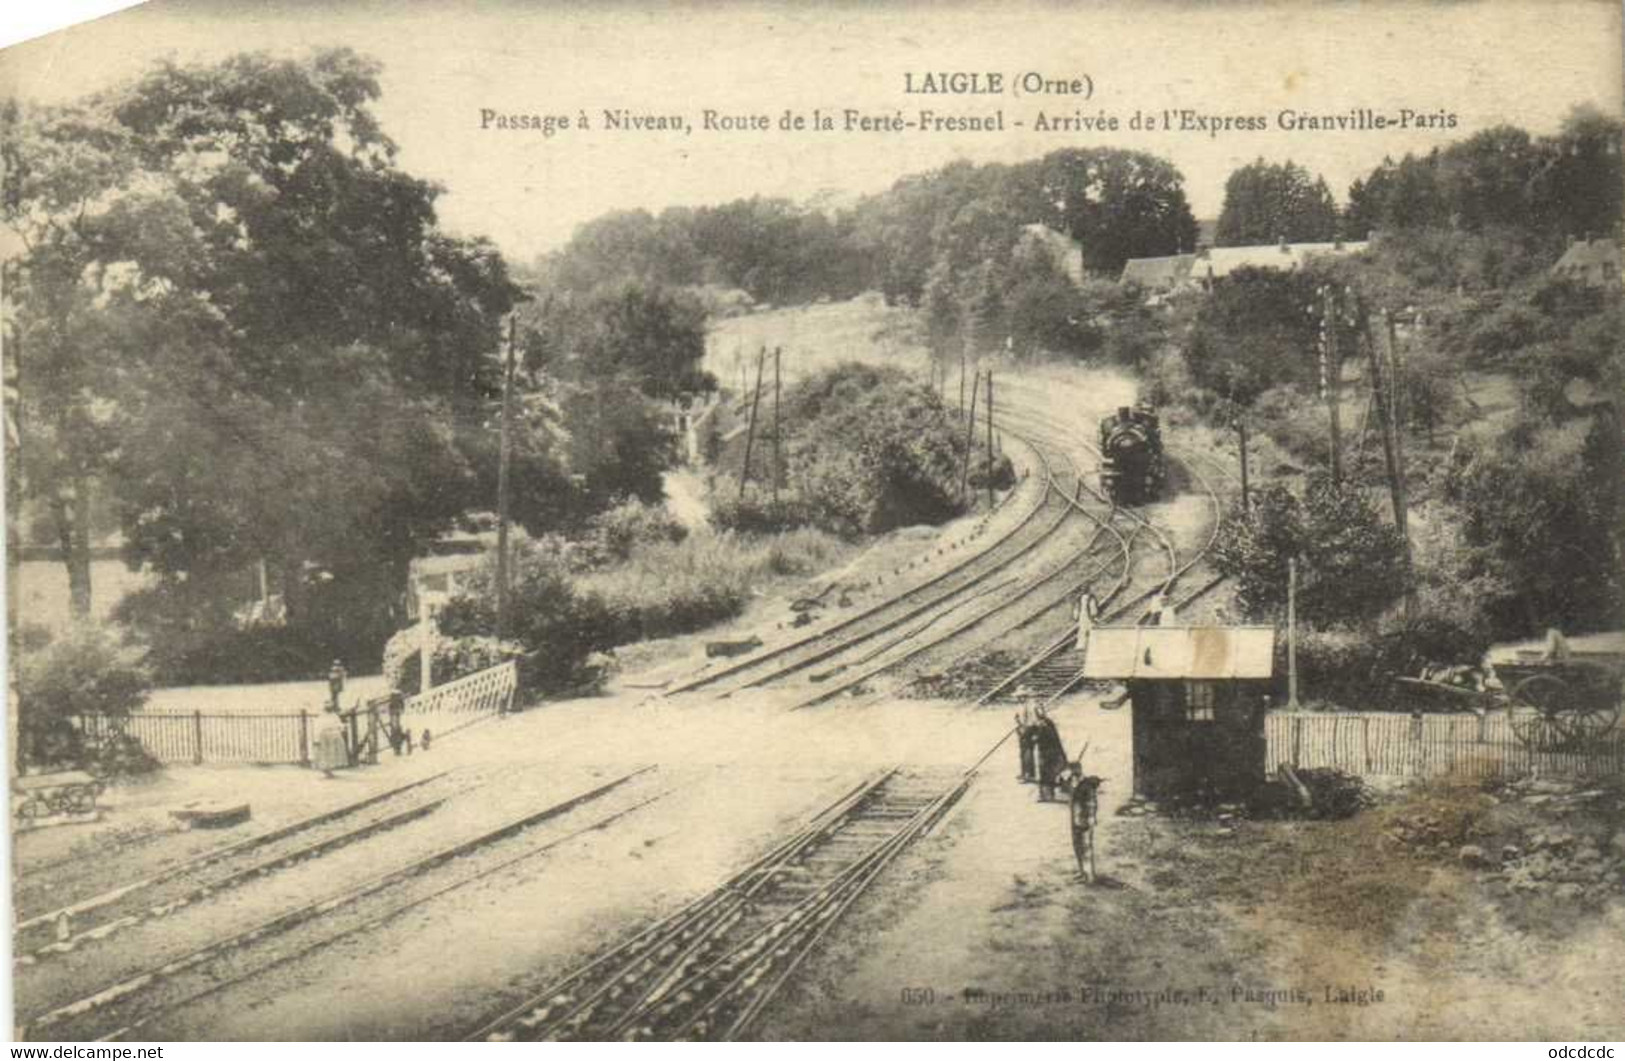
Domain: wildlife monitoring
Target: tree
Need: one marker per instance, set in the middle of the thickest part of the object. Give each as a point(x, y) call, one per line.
point(1265, 202)
point(254, 302)
point(1542, 509)
point(1350, 564)
point(1117, 204)
point(1258, 329)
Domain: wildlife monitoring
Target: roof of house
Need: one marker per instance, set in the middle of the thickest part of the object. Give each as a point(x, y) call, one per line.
point(1170, 652)
point(1585, 255)
point(1158, 273)
point(1217, 262)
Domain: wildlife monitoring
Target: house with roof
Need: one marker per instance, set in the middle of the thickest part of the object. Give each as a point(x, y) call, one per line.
point(1208, 264)
point(1159, 275)
point(1199, 697)
point(1593, 262)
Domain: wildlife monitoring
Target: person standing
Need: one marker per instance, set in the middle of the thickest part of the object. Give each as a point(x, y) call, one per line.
point(1050, 754)
point(336, 674)
point(1084, 811)
point(1025, 736)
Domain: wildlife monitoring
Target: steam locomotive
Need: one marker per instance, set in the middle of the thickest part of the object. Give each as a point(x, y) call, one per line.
point(1132, 469)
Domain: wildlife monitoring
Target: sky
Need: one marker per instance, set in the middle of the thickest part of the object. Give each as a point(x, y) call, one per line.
point(444, 63)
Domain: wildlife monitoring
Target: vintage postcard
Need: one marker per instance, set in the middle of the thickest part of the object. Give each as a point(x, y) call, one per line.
point(776, 521)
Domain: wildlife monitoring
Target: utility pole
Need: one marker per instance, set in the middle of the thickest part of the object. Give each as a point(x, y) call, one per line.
point(504, 455)
point(970, 437)
point(1292, 635)
point(1241, 433)
point(990, 440)
point(961, 381)
point(1396, 388)
point(1384, 409)
point(777, 387)
point(1331, 372)
point(750, 432)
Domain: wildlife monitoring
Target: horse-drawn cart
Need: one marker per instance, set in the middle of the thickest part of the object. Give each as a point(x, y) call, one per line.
point(1564, 703)
point(1553, 704)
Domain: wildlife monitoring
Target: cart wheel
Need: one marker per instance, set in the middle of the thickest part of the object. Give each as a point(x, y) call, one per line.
point(1587, 724)
point(1549, 695)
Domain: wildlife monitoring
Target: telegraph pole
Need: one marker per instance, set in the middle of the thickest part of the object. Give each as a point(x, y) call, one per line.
point(777, 387)
point(1241, 433)
point(504, 456)
point(1331, 377)
point(1292, 635)
point(970, 438)
point(750, 432)
point(990, 440)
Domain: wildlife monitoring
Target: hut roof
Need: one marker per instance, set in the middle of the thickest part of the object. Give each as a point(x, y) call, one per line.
point(1170, 652)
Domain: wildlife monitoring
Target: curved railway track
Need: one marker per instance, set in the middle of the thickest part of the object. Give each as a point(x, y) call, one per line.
point(910, 612)
point(708, 971)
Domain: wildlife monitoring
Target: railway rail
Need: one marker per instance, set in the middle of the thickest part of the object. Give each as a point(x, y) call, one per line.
point(143, 997)
point(707, 971)
point(211, 874)
point(1038, 524)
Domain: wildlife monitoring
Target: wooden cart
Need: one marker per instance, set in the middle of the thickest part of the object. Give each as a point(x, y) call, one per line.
point(1567, 703)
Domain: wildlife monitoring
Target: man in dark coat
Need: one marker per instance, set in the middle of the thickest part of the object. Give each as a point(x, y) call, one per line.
point(1050, 753)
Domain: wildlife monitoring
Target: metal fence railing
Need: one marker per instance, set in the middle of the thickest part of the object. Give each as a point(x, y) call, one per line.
point(202, 737)
point(1412, 746)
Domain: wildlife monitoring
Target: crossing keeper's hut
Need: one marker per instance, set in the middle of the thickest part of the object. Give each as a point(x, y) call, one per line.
point(1199, 695)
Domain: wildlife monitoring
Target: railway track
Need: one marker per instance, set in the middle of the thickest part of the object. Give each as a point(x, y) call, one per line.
point(707, 971)
point(145, 996)
point(1041, 521)
point(67, 928)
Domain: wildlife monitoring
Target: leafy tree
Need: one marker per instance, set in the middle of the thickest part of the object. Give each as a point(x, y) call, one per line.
point(234, 281)
point(1117, 204)
point(1542, 509)
point(1350, 564)
point(1265, 202)
point(1258, 328)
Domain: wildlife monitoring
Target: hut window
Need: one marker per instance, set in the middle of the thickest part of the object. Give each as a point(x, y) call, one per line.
point(1199, 701)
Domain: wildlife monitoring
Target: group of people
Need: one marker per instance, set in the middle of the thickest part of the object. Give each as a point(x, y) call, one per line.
point(1044, 763)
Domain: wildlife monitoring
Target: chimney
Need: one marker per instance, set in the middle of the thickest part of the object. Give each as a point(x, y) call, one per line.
point(1337, 242)
point(1571, 239)
point(1285, 249)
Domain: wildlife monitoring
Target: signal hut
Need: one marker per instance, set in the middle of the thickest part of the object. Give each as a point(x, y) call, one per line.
point(1199, 695)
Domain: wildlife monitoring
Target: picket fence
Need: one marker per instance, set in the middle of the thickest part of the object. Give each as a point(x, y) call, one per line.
point(1375, 743)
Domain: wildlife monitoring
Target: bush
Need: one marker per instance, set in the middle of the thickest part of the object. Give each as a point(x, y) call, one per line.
point(676, 588)
point(556, 625)
point(192, 637)
point(615, 532)
point(757, 513)
point(451, 658)
point(87, 670)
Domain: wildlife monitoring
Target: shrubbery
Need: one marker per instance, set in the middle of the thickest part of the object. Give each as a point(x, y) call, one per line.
point(672, 588)
point(86, 670)
point(869, 450)
point(451, 658)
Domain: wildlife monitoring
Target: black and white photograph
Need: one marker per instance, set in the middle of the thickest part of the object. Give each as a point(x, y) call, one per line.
point(788, 522)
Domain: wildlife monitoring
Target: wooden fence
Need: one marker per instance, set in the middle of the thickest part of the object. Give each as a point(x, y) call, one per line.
point(1409, 746)
point(197, 737)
